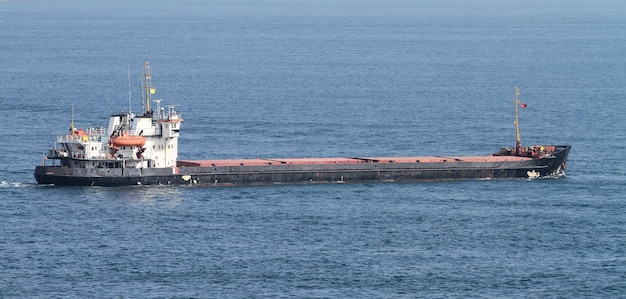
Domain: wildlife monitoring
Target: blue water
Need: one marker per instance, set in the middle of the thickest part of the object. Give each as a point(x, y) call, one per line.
point(320, 79)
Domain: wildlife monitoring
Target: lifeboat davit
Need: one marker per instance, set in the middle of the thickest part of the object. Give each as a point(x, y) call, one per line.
point(128, 140)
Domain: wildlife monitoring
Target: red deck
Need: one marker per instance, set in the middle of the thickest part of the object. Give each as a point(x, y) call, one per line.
point(303, 161)
point(233, 162)
point(439, 159)
point(258, 162)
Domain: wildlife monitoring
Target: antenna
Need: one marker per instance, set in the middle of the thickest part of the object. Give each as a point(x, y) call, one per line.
point(159, 114)
point(130, 103)
point(141, 93)
point(518, 140)
point(72, 128)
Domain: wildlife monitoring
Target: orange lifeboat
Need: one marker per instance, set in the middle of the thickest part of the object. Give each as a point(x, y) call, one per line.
point(128, 140)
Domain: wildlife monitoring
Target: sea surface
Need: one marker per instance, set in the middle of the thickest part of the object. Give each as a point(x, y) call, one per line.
point(307, 78)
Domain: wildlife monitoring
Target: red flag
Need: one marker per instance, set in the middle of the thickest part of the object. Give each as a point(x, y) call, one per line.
point(523, 105)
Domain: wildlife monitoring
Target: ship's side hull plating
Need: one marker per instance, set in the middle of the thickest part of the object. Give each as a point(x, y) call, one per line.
point(108, 177)
point(370, 171)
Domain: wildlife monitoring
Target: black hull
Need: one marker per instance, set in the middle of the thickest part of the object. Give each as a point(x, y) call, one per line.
point(304, 174)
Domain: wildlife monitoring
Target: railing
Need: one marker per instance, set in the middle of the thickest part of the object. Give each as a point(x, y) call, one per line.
point(91, 134)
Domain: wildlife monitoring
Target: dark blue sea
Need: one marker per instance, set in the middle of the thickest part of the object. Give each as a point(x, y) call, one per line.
point(305, 78)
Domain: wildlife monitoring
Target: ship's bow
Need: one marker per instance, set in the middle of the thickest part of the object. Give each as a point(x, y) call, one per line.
point(559, 164)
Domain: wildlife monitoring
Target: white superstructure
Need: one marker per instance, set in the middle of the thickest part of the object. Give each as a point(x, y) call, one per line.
point(130, 141)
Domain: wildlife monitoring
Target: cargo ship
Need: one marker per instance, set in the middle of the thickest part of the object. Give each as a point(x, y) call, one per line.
point(143, 150)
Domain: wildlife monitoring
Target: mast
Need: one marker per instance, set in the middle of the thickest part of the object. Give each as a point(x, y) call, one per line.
point(518, 140)
point(148, 88)
point(72, 128)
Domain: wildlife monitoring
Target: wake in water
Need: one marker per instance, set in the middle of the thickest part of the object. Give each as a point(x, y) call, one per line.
point(553, 176)
point(5, 184)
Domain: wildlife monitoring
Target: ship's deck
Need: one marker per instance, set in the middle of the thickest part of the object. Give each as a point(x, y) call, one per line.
point(356, 160)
